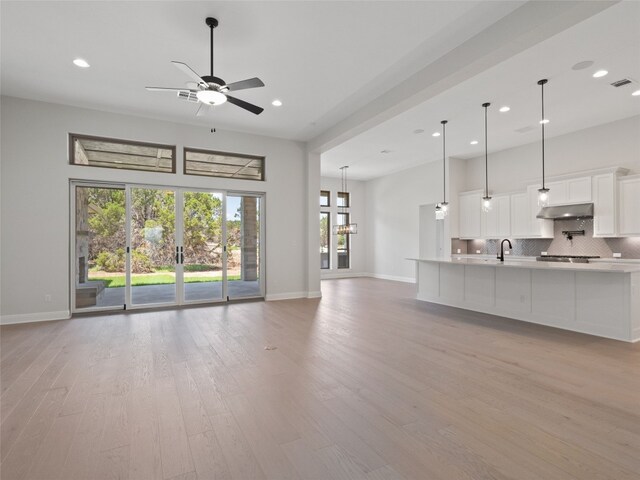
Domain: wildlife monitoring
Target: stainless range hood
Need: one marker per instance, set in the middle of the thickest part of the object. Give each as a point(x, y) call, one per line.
point(567, 212)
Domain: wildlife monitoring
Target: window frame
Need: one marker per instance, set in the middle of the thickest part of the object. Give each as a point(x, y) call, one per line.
point(347, 242)
point(73, 136)
point(344, 195)
point(329, 242)
point(328, 195)
point(231, 154)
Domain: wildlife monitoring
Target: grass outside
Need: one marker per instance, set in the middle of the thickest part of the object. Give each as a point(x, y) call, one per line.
point(156, 279)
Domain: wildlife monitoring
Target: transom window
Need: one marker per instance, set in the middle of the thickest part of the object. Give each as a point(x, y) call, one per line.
point(324, 198)
point(222, 164)
point(343, 199)
point(121, 154)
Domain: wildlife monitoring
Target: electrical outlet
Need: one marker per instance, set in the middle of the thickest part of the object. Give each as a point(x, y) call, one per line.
point(47, 298)
point(543, 253)
point(477, 251)
point(506, 252)
point(459, 251)
point(617, 255)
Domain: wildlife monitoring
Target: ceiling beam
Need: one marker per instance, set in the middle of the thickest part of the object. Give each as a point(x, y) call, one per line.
point(530, 24)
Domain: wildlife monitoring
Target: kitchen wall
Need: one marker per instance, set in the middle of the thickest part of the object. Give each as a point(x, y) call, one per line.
point(35, 176)
point(358, 242)
point(615, 144)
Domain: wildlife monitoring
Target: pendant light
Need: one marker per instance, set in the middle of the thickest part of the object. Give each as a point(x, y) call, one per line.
point(543, 193)
point(347, 228)
point(486, 200)
point(442, 208)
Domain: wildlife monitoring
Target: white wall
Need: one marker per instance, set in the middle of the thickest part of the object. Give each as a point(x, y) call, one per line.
point(358, 241)
point(615, 144)
point(392, 221)
point(35, 177)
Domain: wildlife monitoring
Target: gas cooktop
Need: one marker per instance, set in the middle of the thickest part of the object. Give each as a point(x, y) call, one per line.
point(566, 258)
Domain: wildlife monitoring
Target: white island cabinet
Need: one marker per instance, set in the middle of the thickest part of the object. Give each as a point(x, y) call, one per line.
point(597, 298)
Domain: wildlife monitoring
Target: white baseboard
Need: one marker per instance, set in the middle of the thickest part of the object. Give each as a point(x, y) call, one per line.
point(317, 294)
point(34, 317)
point(285, 296)
point(330, 276)
point(392, 277)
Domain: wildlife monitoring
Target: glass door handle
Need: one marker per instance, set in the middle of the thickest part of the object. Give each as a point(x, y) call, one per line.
point(177, 256)
point(182, 255)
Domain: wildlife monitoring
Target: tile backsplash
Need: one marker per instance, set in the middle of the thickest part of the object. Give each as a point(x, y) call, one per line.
point(629, 247)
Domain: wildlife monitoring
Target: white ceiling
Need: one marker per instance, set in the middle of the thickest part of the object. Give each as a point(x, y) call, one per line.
point(574, 100)
point(322, 59)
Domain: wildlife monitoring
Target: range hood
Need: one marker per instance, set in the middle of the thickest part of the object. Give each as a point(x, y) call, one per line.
point(567, 212)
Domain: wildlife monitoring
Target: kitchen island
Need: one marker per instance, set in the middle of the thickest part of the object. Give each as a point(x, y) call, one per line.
point(597, 298)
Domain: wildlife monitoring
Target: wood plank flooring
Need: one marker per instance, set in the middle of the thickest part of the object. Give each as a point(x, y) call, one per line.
point(366, 383)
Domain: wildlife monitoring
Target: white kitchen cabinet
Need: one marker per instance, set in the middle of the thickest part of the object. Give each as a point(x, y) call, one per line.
point(538, 228)
point(573, 190)
point(496, 223)
point(629, 189)
point(604, 205)
point(469, 215)
point(520, 224)
point(579, 190)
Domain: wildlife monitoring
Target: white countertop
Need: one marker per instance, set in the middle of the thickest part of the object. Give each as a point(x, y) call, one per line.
point(521, 263)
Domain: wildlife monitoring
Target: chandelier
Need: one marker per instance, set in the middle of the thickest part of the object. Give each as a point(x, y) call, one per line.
point(345, 228)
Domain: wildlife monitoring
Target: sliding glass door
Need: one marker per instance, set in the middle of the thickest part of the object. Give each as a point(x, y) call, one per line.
point(99, 247)
point(202, 255)
point(140, 246)
point(243, 218)
point(152, 255)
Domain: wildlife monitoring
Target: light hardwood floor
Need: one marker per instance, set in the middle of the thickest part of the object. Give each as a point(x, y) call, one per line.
point(366, 383)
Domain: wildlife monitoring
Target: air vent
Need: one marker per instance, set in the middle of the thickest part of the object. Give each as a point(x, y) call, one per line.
point(621, 83)
point(187, 95)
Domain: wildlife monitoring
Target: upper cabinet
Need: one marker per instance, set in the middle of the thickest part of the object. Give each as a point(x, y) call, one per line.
point(605, 205)
point(496, 223)
point(538, 228)
point(470, 210)
point(629, 205)
point(573, 190)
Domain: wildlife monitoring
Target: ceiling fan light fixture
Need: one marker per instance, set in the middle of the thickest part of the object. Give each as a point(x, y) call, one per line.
point(211, 97)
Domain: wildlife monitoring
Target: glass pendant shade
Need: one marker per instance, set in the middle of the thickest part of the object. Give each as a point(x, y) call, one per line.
point(486, 204)
point(543, 197)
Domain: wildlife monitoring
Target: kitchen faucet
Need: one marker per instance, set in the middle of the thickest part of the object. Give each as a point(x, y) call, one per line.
point(501, 256)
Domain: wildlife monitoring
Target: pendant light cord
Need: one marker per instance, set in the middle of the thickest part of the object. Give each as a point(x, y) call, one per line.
point(211, 27)
point(444, 162)
point(542, 90)
point(486, 152)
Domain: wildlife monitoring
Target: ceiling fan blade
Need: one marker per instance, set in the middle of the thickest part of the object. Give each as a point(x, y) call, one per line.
point(246, 105)
point(203, 110)
point(244, 84)
point(165, 89)
point(190, 73)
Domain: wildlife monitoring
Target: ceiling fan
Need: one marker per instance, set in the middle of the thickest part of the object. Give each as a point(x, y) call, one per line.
point(211, 90)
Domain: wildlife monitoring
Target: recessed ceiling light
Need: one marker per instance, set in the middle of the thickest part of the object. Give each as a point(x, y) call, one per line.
point(582, 65)
point(474, 142)
point(546, 120)
point(81, 62)
point(636, 93)
point(418, 131)
point(435, 134)
point(600, 73)
point(276, 103)
point(505, 109)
